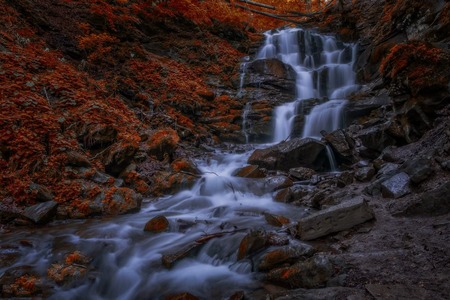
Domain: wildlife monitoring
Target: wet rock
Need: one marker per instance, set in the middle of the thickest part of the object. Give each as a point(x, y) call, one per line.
point(270, 73)
point(251, 243)
point(365, 174)
point(286, 254)
point(168, 260)
point(170, 183)
point(275, 183)
point(157, 224)
point(301, 173)
point(9, 254)
point(308, 153)
point(43, 194)
point(312, 273)
point(334, 219)
point(182, 296)
point(274, 220)
point(250, 172)
point(17, 283)
point(41, 213)
point(418, 169)
point(343, 146)
point(434, 202)
point(162, 142)
point(275, 239)
point(76, 159)
point(375, 139)
point(67, 275)
point(396, 187)
point(283, 195)
point(238, 296)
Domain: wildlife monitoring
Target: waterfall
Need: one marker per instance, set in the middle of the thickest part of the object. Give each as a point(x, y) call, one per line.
point(325, 69)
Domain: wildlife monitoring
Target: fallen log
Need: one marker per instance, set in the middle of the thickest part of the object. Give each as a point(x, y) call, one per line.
point(266, 14)
point(334, 219)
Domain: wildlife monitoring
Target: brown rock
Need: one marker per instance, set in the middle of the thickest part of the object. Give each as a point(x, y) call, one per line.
point(182, 296)
point(308, 153)
point(250, 172)
point(76, 159)
point(302, 173)
point(251, 243)
point(275, 220)
point(286, 254)
point(157, 224)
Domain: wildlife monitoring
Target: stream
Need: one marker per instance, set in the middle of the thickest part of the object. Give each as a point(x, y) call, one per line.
point(127, 262)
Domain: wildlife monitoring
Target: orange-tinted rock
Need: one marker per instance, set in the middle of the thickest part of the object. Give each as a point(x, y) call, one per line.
point(238, 296)
point(312, 273)
point(157, 224)
point(64, 274)
point(250, 172)
point(168, 183)
point(275, 220)
point(162, 142)
point(252, 242)
point(184, 165)
point(286, 254)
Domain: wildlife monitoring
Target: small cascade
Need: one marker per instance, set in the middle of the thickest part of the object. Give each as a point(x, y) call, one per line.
point(247, 109)
point(325, 70)
point(324, 117)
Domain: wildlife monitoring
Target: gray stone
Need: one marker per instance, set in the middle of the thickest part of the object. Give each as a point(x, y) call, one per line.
point(322, 294)
point(397, 291)
point(41, 213)
point(308, 153)
point(301, 173)
point(365, 174)
point(396, 186)
point(341, 143)
point(43, 194)
point(334, 219)
point(435, 202)
point(418, 169)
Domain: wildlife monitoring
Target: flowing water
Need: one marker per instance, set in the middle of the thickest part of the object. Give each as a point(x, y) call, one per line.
point(325, 70)
point(127, 262)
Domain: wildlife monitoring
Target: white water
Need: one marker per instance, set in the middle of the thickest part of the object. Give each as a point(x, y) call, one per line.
point(324, 69)
point(127, 261)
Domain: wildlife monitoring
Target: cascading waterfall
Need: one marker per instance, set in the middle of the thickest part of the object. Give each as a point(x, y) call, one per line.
point(324, 68)
point(127, 262)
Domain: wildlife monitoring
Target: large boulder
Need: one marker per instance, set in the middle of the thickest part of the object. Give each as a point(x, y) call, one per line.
point(396, 186)
point(308, 153)
point(334, 219)
point(343, 145)
point(270, 73)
